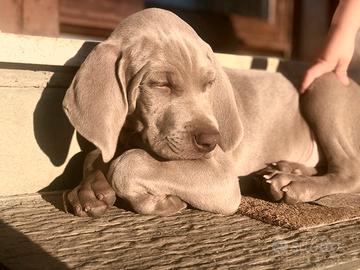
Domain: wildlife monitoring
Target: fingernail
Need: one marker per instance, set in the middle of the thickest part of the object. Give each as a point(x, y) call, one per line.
point(267, 176)
point(87, 208)
point(285, 189)
point(269, 181)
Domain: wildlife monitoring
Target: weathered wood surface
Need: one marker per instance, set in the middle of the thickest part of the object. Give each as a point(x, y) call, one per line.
point(36, 235)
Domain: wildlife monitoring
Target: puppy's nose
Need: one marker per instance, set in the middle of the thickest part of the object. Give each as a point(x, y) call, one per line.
point(206, 141)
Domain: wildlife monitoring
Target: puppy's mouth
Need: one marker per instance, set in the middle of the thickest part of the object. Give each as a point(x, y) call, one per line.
point(171, 149)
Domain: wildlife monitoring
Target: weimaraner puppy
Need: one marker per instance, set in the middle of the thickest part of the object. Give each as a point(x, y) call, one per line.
point(172, 127)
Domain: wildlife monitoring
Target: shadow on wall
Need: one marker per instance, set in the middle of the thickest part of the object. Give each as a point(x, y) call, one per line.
point(52, 129)
point(18, 252)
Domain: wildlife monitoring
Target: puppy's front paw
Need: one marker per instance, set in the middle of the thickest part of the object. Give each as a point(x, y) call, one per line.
point(287, 182)
point(92, 197)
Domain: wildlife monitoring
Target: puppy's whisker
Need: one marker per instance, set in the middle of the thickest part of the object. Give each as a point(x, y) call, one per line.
point(172, 141)
point(173, 146)
point(176, 140)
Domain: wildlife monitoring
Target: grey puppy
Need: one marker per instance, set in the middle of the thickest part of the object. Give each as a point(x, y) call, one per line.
point(172, 126)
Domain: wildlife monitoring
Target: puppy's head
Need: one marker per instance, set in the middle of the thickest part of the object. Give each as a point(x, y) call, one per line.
point(155, 68)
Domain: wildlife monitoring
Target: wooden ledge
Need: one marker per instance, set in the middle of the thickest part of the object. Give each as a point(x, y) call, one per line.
point(35, 235)
point(38, 50)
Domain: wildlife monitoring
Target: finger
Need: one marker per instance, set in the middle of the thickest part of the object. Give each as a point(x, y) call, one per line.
point(314, 72)
point(341, 72)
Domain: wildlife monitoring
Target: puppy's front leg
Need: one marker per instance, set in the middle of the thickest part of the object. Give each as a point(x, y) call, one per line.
point(162, 187)
point(93, 196)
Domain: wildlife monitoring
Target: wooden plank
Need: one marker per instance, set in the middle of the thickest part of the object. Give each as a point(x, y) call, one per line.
point(33, 17)
point(90, 16)
point(273, 34)
point(40, 17)
point(312, 23)
point(10, 16)
point(33, 233)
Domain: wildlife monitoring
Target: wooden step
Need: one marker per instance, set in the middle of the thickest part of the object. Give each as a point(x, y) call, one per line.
point(34, 234)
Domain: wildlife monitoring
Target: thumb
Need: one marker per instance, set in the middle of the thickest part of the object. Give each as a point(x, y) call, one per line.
point(341, 72)
point(313, 73)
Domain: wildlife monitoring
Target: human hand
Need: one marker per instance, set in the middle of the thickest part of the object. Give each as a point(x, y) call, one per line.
point(335, 57)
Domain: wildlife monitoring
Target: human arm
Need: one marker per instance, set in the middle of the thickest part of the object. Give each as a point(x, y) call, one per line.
point(339, 48)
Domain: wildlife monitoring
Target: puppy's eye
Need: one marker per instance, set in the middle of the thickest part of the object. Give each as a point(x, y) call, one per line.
point(159, 84)
point(163, 84)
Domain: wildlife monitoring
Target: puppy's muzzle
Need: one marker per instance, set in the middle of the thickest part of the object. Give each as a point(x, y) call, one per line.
point(206, 140)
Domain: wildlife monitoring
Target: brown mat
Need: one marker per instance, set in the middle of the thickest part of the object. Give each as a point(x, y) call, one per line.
point(328, 210)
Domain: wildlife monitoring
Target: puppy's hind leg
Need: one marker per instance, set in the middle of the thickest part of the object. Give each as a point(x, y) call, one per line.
point(333, 113)
point(332, 110)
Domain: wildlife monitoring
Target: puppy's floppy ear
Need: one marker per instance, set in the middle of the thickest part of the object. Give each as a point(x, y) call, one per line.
point(96, 101)
point(226, 112)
